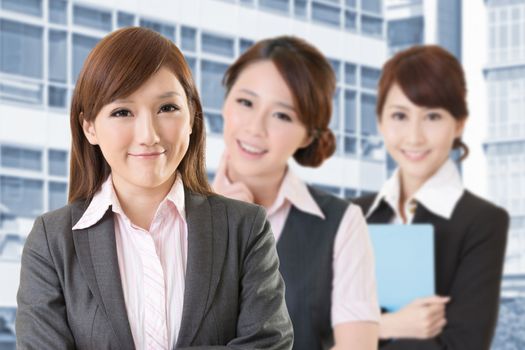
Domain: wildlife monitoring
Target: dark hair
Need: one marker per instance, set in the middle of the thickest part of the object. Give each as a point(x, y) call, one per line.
point(118, 65)
point(311, 79)
point(429, 76)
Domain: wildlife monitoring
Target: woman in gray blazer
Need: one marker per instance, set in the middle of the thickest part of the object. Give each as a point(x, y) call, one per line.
point(144, 255)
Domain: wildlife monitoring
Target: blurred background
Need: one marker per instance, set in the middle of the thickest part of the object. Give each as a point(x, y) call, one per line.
point(43, 44)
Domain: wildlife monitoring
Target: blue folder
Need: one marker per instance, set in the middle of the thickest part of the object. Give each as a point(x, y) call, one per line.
point(404, 258)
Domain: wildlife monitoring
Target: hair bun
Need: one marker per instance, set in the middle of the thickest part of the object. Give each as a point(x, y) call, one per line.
point(321, 148)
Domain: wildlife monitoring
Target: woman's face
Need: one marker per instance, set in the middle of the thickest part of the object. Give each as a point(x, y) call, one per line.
point(418, 138)
point(262, 129)
point(145, 135)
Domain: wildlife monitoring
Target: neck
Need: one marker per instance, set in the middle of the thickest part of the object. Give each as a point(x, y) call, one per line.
point(141, 203)
point(264, 187)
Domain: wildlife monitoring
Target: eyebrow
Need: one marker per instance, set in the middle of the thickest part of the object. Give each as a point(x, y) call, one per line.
point(398, 107)
point(161, 96)
point(282, 104)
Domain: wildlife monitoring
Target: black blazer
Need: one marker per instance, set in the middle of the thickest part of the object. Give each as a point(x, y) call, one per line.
point(469, 256)
point(70, 294)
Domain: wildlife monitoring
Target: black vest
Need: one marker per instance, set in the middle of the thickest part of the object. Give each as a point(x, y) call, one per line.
point(306, 252)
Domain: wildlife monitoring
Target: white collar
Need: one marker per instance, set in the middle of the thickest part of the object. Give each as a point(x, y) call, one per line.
point(439, 194)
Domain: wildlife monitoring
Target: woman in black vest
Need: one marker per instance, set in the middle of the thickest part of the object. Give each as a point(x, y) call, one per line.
point(278, 106)
point(421, 113)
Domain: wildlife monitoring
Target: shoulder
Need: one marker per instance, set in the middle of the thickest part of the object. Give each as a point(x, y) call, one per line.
point(480, 210)
point(325, 199)
point(365, 202)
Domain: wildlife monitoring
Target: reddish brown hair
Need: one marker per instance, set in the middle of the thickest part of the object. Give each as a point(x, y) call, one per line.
point(429, 76)
point(311, 79)
point(118, 65)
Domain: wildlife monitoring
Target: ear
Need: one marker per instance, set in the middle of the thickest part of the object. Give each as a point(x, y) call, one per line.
point(460, 126)
point(89, 131)
point(308, 139)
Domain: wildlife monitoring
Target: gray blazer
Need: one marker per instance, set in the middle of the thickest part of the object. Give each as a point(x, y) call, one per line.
point(70, 293)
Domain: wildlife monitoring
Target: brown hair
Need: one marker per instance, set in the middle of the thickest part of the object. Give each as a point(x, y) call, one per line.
point(118, 65)
point(429, 76)
point(312, 81)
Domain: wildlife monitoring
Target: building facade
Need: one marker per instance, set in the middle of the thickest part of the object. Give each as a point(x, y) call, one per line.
point(43, 44)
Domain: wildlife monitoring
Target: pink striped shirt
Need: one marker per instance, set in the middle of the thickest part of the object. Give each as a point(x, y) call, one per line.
point(163, 246)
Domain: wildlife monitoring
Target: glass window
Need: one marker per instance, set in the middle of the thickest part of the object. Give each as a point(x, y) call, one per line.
point(21, 49)
point(211, 83)
point(192, 62)
point(57, 56)
point(27, 7)
point(82, 46)
point(372, 26)
point(165, 29)
point(57, 96)
point(370, 77)
point(188, 39)
point(58, 11)
point(405, 32)
point(57, 162)
point(350, 193)
point(300, 8)
point(350, 74)
point(21, 158)
point(21, 91)
point(217, 45)
point(350, 111)
point(326, 14)
point(336, 66)
point(368, 115)
point(373, 6)
point(334, 120)
point(372, 148)
point(351, 3)
point(23, 197)
point(350, 145)
point(279, 5)
point(350, 20)
point(245, 44)
point(214, 123)
point(92, 18)
point(327, 188)
point(57, 195)
point(125, 19)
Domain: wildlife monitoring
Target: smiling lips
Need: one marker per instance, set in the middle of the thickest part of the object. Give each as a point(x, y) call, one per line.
point(250, 149)
point(415, 155)
point(147, 155)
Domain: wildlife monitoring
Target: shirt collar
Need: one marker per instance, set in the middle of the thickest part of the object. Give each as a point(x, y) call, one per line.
point(295, 191)
point(106, 197)
point(439, 194)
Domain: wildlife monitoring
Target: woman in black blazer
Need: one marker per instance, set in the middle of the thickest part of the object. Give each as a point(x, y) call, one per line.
point(145, 256)
point(421, 113)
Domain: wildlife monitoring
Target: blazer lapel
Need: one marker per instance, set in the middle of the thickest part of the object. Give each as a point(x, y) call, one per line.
point(382, 214)
point(97, 254)
point(206, 253)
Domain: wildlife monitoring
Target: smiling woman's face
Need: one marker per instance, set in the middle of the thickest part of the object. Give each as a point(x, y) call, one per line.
point(262, 129)
point(418, 138)
point(145, 135)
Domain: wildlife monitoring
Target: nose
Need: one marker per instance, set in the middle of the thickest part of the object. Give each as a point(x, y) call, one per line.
point(415, 135)
point(256, 123)
point(147, 129)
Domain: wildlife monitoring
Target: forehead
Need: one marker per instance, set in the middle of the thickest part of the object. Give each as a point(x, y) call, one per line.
point(160, 83)
point(264, 75)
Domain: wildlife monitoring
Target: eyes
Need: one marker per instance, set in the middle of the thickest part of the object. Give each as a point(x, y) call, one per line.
point(124, 112)
point(430, 116)
point(244, 102)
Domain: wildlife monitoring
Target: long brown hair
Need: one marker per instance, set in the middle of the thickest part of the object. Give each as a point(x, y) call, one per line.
point(429, 76)
point(310, 78)
point(118, 65)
